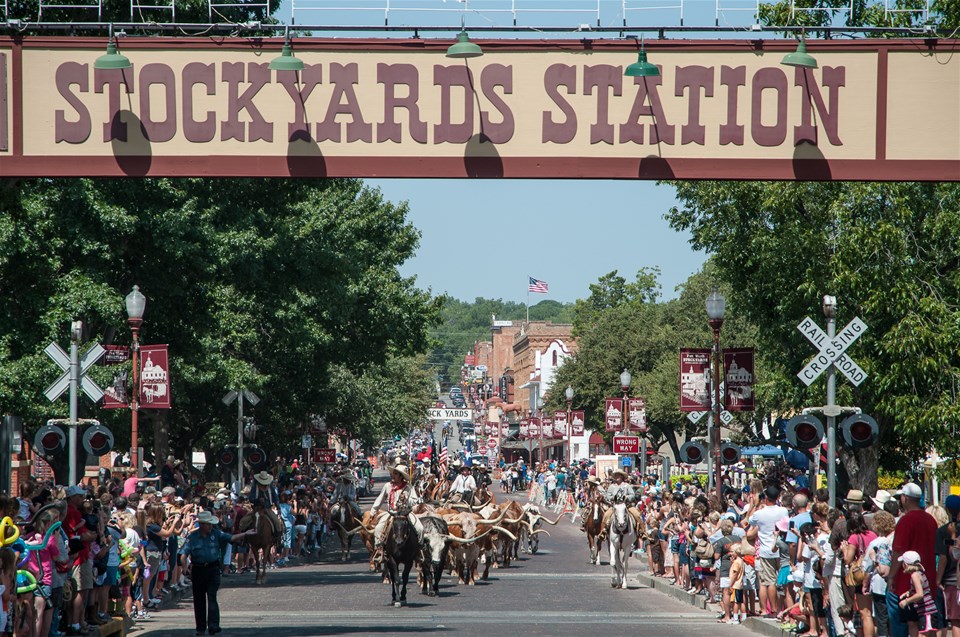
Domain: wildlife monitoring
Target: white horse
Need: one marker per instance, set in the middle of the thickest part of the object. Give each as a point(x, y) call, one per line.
point(622, 535)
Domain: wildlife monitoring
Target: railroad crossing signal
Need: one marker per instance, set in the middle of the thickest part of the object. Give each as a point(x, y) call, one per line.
point(60, 357)
point(832, 351)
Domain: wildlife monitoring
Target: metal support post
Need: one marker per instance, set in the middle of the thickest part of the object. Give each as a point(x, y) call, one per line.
point(239, 441)
point(831, 420)
point(75, 331)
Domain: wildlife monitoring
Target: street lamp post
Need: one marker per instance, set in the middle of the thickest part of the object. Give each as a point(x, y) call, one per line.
point(499, 436)
point(715, 309)
point(136, 304)
point(569, 395)
point(540, 405)
point(625, 379)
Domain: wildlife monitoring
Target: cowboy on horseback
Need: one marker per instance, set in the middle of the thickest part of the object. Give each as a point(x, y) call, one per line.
point(592, 491)
point(620, 491)
point(346, 490)
point(464, 485)
point(396, 494)
point(263, 490)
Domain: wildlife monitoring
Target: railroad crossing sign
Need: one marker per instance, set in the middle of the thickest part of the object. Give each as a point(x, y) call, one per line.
point(725, 416)
point(832, 351)
point(60, 357)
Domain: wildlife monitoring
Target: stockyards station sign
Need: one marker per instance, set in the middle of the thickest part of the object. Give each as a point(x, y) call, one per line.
point(873, 110)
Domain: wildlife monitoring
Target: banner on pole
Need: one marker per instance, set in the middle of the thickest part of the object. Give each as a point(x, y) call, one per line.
point(738, 365)
point(154, 377)
point(613, 414)
point(694, 380)
point(547, 425)
point(637, 414)
point(524, 428)
point(560, 425)
point(577, 420)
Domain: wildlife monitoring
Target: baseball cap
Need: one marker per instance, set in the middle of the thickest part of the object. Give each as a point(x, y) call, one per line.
point(952, 502)
point(910, 490)
point(910, 557)
point(75, 490)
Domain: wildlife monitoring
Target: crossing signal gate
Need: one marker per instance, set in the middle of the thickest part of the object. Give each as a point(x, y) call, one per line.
point(804, 432)
point(50, 440)
point(693, 453)
point(729, 453)
point(98, 440)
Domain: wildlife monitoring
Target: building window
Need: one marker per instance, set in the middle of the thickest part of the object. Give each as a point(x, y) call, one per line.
point(554, 358)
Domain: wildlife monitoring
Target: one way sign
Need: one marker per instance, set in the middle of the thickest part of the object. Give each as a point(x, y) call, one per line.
point(62, 360)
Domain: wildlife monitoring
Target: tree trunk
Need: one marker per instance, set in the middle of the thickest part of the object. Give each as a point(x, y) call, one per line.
point(671, 437)
point(861, 467)
point(161, 437)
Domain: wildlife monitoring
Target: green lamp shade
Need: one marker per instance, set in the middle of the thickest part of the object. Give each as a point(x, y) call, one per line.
point(464, 48)
point(112, 59)
point(800, 57)
point(642, 68)
point(286, 61)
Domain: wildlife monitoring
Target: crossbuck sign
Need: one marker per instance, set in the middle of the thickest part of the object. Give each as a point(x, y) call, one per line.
point(60, 357)
point(832, 351)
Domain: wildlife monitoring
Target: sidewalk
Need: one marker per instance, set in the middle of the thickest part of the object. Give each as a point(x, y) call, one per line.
point(766, 627)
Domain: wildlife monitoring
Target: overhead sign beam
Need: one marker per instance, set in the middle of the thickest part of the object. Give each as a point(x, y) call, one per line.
point(542, 109)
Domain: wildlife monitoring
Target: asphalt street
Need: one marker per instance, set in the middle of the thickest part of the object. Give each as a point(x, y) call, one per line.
point(555, 592)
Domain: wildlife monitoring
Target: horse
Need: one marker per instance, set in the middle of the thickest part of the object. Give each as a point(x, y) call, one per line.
point(343, 515)
point(593, 526)
point(622, 534)
point(263, 540)
point(400, 546)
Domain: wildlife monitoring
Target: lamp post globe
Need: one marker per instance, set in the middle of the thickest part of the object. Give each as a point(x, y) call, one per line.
point(136, 303)
point(569, 393)
point(716, 305)
point(625, 380)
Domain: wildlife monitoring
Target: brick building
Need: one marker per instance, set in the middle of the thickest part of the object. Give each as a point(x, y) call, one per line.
point(539, 349)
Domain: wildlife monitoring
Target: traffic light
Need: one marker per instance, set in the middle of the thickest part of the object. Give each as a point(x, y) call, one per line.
point(859, 430)
point(256, 458)
point(227, 457)
point(98, 440)
point(49, 441)
point(729, 453)
point(804, 432)
point(693, 453)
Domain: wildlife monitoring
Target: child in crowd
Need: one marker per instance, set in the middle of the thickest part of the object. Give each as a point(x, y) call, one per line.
point(737, 568)
point(919, 598)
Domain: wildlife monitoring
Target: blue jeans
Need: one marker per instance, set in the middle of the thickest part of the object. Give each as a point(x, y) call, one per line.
point(898, 628)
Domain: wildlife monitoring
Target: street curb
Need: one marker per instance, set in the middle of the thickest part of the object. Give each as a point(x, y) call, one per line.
point(766, 628)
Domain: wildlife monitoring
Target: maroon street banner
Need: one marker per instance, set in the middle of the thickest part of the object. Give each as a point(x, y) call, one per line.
point(154, 377)
point(524, 428)
point(560, 425)
point(613, 414)
point(547, 425)
point(533, 430)
point(738, 379)
point(577, 420)
point(115, 395)
point(637, 414)
point(694, 380)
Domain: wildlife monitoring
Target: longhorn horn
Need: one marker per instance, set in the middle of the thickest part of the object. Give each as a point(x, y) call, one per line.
point(497, 521)
point(468, 540)
point(547, 520)
point(505, 532)
point(540, 531)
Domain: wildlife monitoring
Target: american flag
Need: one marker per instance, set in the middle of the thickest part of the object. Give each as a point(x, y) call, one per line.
point(538, 286)
point(443, 461)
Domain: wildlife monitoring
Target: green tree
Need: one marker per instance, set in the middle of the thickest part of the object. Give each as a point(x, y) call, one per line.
point(264, 284)
point(888, 253)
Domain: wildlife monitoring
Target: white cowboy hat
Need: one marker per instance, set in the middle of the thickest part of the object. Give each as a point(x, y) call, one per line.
point(263, 478)
point(882, 498)
point(206, 517)
point(402, 470)
point(617, 472)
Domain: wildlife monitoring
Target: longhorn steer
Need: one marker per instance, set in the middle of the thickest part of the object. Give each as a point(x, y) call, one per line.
point(433, 554)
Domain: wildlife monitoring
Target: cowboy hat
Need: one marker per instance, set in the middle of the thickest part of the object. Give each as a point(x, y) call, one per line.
point(593, 480)
point(620, 472)
point(402, 470)
point(854, 496)
point(263, 478)
point(206, 517)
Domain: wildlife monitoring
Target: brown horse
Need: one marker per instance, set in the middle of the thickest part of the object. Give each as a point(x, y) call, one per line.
point(345, 519)
point(593, 526)
point(263, 541)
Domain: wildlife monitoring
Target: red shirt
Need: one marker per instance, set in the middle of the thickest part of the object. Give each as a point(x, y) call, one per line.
point(75, 526)
point(916, 531)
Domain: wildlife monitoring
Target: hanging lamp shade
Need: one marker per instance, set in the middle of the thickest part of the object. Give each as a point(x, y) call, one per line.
point(642, 68)
point(464, 48)
point(800, 57)
point(285, 61)
point(112, 59)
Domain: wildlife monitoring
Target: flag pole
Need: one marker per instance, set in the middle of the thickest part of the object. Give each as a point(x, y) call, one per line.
point(528, 299)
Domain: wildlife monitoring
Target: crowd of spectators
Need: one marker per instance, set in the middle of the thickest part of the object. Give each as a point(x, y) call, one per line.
point(74, 557)
point(880, 566)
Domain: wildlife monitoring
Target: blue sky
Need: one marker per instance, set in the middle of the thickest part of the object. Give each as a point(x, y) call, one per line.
point(483, 237)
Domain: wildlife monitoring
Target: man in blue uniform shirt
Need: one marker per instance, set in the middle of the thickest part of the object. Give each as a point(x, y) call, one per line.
point(205, 548)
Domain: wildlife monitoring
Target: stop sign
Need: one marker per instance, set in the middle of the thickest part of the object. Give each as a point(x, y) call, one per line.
point(492, 443)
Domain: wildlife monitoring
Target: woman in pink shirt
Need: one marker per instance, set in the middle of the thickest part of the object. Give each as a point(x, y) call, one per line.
point(42, 565)
point(854, 549)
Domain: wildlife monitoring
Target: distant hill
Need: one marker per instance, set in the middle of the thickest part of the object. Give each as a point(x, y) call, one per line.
point(463, 323)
